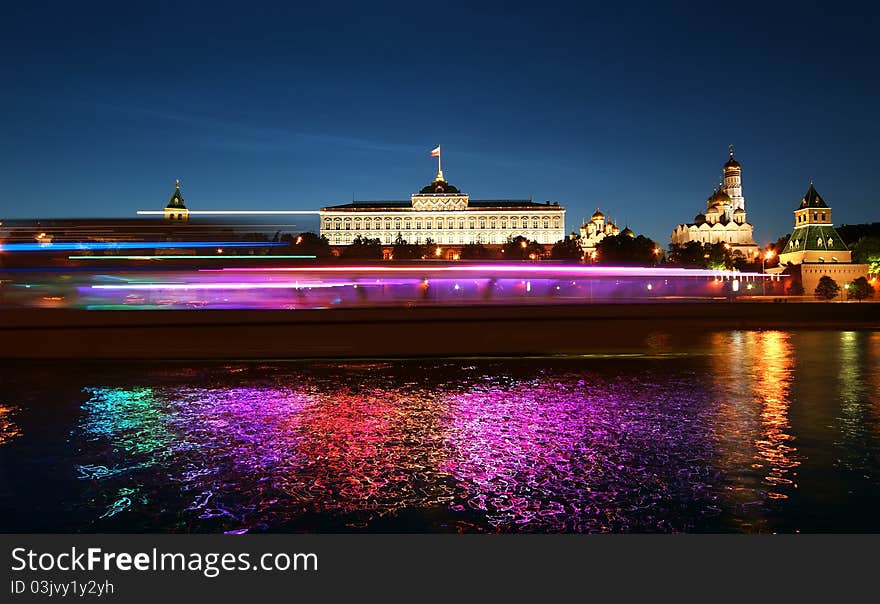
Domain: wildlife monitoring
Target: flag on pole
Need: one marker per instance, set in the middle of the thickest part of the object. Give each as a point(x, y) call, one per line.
point(436, 152)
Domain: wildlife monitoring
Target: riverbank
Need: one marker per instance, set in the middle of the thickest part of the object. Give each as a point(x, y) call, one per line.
point(399, 331)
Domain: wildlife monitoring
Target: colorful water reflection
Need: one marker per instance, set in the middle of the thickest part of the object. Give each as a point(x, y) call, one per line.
point(736, 432)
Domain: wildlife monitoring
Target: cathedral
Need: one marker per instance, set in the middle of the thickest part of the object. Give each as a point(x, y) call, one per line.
point(597, 229)
point(725, 218)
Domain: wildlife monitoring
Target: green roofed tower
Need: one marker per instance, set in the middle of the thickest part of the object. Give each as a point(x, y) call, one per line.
point(814, 238)
point(176, 208)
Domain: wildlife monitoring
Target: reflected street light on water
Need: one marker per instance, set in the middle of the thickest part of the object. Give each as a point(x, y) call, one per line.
point(767, 256)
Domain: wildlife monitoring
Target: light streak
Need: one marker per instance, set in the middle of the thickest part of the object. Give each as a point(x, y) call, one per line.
point(185, 257)
point(531, 269)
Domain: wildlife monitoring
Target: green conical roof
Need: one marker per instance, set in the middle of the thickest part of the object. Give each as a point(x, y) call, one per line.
point(815, 238)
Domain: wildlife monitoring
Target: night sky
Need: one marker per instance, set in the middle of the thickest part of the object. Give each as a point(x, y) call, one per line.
point(252, 106)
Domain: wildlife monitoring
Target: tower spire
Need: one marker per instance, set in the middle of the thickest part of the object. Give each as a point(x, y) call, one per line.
point(731, 151)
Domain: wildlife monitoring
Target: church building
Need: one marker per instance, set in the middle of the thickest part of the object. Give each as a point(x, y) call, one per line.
point(725, 218)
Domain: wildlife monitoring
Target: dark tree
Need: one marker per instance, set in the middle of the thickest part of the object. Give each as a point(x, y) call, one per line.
point(403, 250)
point(796, 288)
point(859, 289)
point(827, 289)
point(363, 248)
point(694, 254)
point(622, 250)
point(475, 251)
point(867, 250)
point(567, 249)
point(307, 244)
point(520, 248)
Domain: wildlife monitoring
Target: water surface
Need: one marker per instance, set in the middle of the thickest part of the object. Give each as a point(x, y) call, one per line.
point(732, 432)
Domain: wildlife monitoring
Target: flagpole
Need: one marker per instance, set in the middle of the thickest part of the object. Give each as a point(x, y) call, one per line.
point(439, 162)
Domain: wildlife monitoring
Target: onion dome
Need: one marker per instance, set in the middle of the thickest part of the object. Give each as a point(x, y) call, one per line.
point(615, 230)
point(699, 218)
point(732, 163)
point(627, 232)
point(597, 215)
point(739, 212)
point(719, 198)
point(812, 199)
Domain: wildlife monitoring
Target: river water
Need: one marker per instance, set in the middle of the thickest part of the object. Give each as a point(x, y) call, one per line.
point(742, 431)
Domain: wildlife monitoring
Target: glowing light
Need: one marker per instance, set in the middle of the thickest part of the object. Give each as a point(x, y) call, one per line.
point(512, 268)
point(522, 244)
point(221, 286)
point(190, 257)
point(128, 245)
point(438, 252)
point(650, 287)
point(219, 250)
point(769, 254)
point(735, 285)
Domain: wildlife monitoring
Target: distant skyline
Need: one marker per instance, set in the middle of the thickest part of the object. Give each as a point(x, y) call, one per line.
point(270, 107)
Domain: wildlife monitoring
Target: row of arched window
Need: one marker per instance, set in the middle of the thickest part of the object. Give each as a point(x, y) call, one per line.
point(459, 223)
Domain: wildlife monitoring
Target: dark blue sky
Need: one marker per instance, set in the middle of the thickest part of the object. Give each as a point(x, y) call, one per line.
point(257, 106)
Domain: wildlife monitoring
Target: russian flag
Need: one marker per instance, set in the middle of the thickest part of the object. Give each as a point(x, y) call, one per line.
point(436, 152)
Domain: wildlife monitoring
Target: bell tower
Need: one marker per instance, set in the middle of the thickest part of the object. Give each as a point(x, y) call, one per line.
point(733, 183)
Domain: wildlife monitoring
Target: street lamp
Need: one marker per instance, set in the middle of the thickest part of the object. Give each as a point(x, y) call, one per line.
point(845, 289)
point(767, 256)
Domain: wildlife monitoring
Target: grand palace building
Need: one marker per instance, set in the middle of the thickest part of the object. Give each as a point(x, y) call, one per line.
point(444, 214)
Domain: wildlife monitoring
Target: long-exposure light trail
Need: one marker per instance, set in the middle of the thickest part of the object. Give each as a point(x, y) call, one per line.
point(195, 257)
point(220, 286)
point(586, 271)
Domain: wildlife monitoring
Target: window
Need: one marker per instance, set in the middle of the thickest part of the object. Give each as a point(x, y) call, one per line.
point(556, 222)
point(471, 224)
point(327, 224)
point(482, 223)
point(493, 224)
point(397, 224)
point(357, 224)
point(823, 215)
point(368, 224)
point(337, 224)
point(819, 241)
point(407, 224)
point(419, 224)
point(429, 224)
point(513, 223)
point(534, 222)
point(504, 223)
point(830, 242)
point(461, 224)
point(546, 223)
point(815, 215)
point(348, 224)
point(387, 224)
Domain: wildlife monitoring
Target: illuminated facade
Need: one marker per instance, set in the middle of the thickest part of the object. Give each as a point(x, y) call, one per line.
point(176, 209)
point(444, 214)
point(815, 249)
point(597, 229)
point(725, 217)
